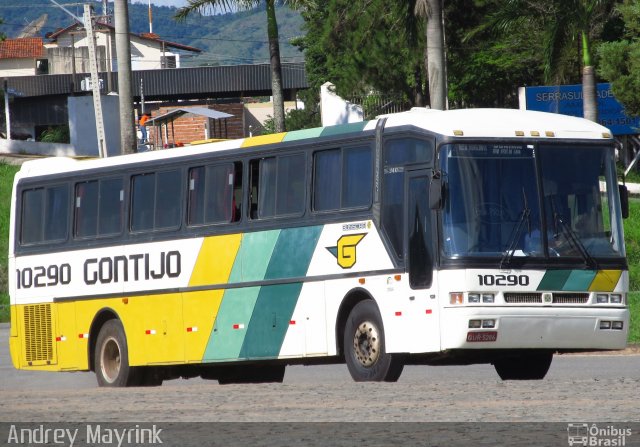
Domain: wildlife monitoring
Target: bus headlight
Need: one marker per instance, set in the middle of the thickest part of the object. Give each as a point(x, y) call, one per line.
point(615, 298)
point(474, 298)
point(617, 325)
point(475, 324)
point(488, 324)
point(489, 298)
point(602, 298)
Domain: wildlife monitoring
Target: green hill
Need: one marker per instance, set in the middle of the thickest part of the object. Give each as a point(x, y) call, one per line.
point(226, 39)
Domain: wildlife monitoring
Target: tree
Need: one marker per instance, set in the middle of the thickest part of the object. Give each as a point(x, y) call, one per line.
point(563, 24)
point(434, 61)
point(201, 6)
point(365, 47)
point(620, 60)
point(485, 69)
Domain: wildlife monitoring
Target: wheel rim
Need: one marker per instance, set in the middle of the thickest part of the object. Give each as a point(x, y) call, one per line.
point(366, 344)
point(110, 364)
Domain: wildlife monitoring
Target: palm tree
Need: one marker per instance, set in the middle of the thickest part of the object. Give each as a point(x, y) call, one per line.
point(564, 23)
point(272, 33)
point(431, 10)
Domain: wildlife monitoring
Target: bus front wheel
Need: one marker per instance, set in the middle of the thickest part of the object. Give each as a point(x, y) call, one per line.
point(112, 357)
point(364, 347)
point(527, 366)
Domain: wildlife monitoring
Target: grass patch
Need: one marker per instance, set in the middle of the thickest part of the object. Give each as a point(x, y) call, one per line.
point(634, 308)
point(6, 184)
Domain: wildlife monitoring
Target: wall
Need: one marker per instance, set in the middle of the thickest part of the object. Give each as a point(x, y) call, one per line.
point(61, 59)
point(336, 110)
point(190, 128)
point(82, 124)
point(36, 148)
point(17, 67)
point(257, 113)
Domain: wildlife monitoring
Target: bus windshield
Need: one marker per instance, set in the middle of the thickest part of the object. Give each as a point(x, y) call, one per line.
point(501, 203)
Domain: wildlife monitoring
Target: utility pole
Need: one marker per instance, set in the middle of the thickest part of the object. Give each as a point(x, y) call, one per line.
point(125, 90)
point(7, 116)
point(95, 80)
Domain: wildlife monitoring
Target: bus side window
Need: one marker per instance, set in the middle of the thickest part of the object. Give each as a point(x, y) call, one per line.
point(155, 202)
point(277, 186)
point(212, 193)
point(44, 214)
point(32, 221)
point(98, 208)
point(110, 207)
point(326, 187)
point(342, 178)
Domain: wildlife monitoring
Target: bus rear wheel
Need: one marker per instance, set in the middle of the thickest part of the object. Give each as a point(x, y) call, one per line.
point(112, 357)
point(364, 347)
point(526, 366)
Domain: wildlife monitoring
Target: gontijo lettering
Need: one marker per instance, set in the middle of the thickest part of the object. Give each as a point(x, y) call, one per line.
point(134, 267)
point(105, 270)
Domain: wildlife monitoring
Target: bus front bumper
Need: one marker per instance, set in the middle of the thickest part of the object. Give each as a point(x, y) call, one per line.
point(535, 328)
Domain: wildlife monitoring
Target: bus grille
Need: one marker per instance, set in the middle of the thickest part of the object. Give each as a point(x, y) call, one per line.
point(535, 298)
point(38, 334)
point(570, 298)
point(523, 298)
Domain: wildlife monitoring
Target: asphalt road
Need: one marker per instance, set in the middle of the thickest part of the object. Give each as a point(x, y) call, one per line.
point(577, 388)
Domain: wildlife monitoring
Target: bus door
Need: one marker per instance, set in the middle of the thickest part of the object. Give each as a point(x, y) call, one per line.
point(420, 259)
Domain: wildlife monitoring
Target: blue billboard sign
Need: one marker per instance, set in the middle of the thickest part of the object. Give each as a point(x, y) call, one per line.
point(567, 99)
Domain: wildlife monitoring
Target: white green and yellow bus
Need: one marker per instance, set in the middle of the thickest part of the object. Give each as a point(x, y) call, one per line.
point(424, 237)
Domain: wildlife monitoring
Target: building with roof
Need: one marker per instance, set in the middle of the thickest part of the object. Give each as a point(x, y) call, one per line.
point(22, 57)
point(148, 50)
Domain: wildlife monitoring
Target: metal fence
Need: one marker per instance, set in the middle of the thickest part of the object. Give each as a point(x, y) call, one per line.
point(375, 104)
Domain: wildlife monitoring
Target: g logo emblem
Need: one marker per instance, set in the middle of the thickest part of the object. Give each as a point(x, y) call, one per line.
point(345, 251)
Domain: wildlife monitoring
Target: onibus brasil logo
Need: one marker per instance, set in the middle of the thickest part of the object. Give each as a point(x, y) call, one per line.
point(345, 250)
point(592, 435)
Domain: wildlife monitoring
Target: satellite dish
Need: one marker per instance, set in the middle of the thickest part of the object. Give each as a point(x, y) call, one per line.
point(34, 27)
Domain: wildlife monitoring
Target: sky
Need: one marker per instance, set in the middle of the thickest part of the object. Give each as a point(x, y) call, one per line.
point(176, 3)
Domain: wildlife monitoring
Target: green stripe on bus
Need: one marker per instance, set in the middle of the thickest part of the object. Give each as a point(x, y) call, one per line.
point(275, 305)
point(230, 328)
point(303, 134)
point(343, 129)
point(554, 280)
point(580, 280)
point(568, 280)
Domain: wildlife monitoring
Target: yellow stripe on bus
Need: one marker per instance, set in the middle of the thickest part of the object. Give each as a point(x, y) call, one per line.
point(215, 260)
point(605, 281)
point(263, 139)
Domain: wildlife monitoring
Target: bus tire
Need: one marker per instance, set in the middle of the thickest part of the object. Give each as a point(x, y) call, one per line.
point(527, 366)
point(364, 346)
point(112, 357)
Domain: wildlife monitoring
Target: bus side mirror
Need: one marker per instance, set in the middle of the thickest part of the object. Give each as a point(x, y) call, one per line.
point(436, 189)
point(624, 200)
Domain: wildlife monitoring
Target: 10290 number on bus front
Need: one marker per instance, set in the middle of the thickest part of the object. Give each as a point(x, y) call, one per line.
point(503, 280)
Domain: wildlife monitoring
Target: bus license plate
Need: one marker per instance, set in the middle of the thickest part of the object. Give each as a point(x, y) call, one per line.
point(482, 336)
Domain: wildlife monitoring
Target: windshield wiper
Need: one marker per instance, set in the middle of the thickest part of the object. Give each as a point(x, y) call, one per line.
point(516, 233)
point(575, 241)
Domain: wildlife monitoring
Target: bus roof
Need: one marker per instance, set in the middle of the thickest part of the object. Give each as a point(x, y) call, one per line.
point(471, 123)
point(500, 123)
